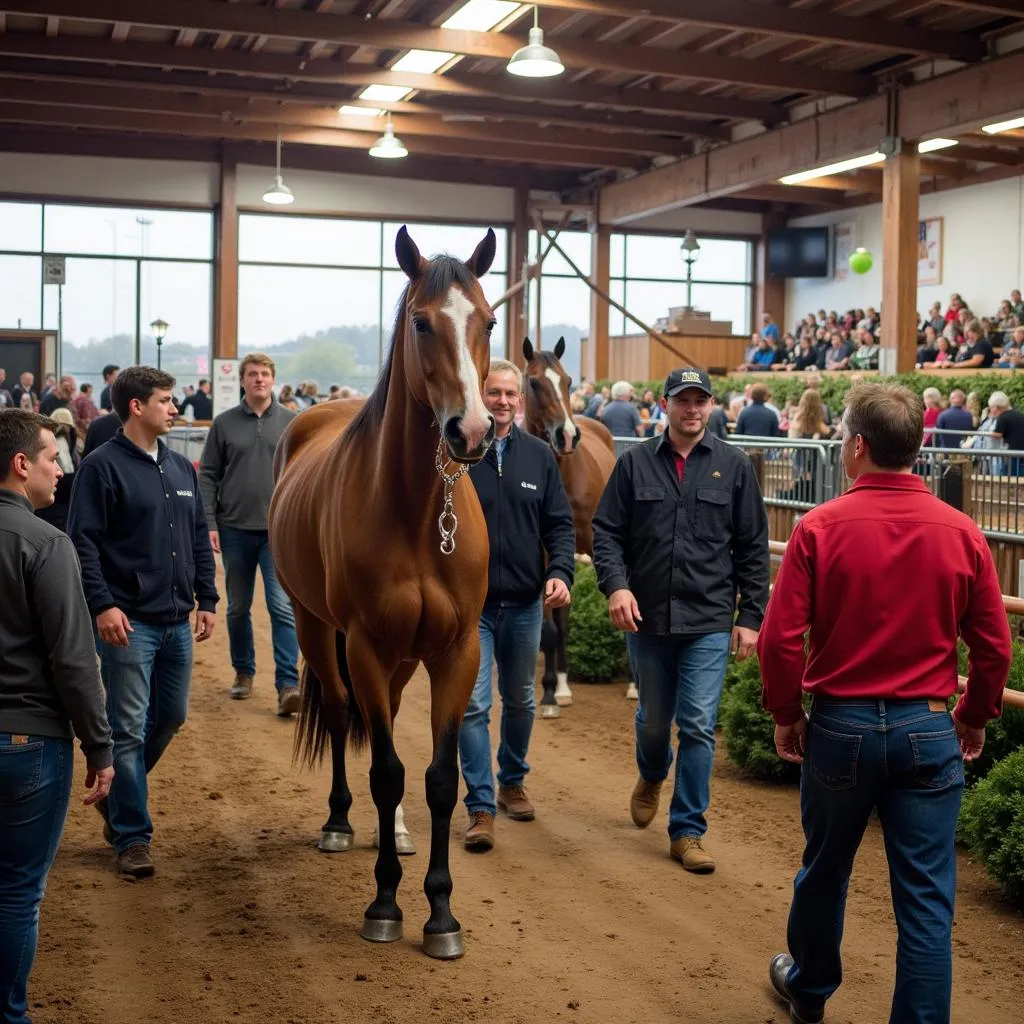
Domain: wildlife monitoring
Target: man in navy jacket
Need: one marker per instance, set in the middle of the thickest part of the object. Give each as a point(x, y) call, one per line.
point(137, 522)
point(533, 543)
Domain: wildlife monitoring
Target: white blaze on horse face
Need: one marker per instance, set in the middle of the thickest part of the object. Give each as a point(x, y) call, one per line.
point(568, 427)
point(475, 420)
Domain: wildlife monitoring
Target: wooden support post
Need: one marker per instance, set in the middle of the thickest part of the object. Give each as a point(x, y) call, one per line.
point(225, 337)
point(900, 203)
point(769, 292)
point(600, 278)
point(515, 325)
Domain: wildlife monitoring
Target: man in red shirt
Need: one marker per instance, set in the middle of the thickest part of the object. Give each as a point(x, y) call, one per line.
point(879, 735)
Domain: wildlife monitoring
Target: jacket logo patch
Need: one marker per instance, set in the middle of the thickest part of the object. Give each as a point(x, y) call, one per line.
point(529, 487)
point(716, 474)
point(184, 494)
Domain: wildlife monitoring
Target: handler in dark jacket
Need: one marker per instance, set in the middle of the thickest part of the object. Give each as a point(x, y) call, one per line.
point(137, 521)
point(48, 683)
point(680, 529)
point(527, 515)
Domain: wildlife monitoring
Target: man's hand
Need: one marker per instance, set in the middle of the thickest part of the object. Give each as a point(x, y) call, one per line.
point(556, 594)
point(790, 740)
point(623, 610)
point(205, 621)
point(113, 627)
point(972, 741)
point(215, 541)
point(98, 780)
point(744, 642)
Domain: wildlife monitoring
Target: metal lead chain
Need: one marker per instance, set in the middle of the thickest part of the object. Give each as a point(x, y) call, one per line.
point(447, 521)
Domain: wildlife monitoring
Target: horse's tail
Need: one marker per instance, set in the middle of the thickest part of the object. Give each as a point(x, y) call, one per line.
point(320, 718)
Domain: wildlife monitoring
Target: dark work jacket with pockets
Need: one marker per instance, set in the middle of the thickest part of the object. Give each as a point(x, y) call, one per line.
point(685, 550)
point(141, 535)
point(527, 513)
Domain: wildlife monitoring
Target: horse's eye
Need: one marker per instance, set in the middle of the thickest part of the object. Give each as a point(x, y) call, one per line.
point(422, 324)
point(534, 383)
point(491, 324)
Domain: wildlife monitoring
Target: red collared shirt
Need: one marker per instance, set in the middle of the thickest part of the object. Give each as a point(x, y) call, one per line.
point(885, 578)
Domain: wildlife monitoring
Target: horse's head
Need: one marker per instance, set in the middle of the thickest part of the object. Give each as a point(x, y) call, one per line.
point(548, 414)
point(447, 340)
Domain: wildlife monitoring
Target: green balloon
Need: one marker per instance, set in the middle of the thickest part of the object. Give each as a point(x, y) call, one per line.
point(861, 261)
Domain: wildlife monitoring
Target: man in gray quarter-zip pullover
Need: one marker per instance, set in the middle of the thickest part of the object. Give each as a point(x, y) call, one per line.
point(236, 477)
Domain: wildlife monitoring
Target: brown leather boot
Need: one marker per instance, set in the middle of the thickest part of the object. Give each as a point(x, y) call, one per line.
point(480, 834)
point(690, 852)
point(515, 802)
point(643, 804)
point(242, 687)
point(135, 862)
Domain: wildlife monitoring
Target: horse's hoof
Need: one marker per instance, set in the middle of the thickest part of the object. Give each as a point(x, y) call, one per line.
point(404, 844)
point(563, 695)
point(375, 930)
point(550, 711)
point(632, 693)
point(335, 842)
point(563, 700)
point(443, 946)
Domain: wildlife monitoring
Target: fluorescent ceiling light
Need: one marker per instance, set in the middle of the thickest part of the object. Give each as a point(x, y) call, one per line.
point(481, 15)
point(838, 168)
point(1003, 126)
point(932, 145)
point(423, 62)
point(359, 111)
point(384, 93)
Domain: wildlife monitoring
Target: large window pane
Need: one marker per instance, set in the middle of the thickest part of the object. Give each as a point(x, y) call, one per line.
point(725, 302)
point(98, 315)
point(318, 324)
point(565, 312)
point(20, 283)
point(724, 259)
point(180, 295)
point(618, 256)
point(651, 300)
point(453, 239)
point(115, 231)
point(576, 245)
point(617, 323)
point(21, 227)
point(655, 257)
point(289, 239)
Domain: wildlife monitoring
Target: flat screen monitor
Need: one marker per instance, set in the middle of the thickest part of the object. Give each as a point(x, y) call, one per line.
point(798, 252)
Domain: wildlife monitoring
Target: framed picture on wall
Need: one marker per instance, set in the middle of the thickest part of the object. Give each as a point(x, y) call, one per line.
point(845, 243)
point(929, 251)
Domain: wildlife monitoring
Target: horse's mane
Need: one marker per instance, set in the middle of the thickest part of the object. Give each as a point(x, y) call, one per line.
point(442, 272)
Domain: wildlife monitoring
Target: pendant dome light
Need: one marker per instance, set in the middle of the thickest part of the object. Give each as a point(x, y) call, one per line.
point(389, 146)
point(279, 194)
point(535, 60)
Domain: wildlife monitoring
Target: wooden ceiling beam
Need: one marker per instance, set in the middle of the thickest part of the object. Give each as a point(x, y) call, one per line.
point(208, 127)
point(389, 34)
point(981, 155)
point(280, 66)
point(1012, 8)
point(826, 199)
point(862, 181)
point(792, 22)
point(324, 95)
point(166, 101)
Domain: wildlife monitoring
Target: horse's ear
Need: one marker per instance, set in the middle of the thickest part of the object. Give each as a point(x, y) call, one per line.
point(408, 255)
point(527, 350)
point(483, 255)
point(559, 348)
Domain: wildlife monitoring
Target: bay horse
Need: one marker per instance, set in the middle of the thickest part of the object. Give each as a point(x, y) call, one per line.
point(379, 583)
point(585, 454)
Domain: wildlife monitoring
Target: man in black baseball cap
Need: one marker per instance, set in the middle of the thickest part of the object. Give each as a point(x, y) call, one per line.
point(679, 533)
point(680, 380)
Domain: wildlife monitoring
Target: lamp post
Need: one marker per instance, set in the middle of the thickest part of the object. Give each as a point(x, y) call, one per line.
point(689, 249)
point(159, 329)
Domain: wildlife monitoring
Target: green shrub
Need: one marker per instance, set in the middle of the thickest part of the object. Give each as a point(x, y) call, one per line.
point(1005, 735)
point(595, 649)
point(749, 729)
point(992, 823)
point(738, 671)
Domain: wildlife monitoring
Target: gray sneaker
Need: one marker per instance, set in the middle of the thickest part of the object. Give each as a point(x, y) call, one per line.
point(288, 701)
point(242, 688)
point(135, 862)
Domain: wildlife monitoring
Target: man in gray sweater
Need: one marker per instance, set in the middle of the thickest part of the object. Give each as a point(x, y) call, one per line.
point(236, 477)
point(49, 683)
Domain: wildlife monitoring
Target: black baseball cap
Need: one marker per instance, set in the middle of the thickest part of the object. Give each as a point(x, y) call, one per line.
point(679, 380)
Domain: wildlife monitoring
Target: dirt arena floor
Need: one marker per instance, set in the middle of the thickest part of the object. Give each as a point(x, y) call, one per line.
point(577, 916)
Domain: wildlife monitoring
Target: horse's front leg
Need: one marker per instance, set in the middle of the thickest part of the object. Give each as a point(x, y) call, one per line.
point(563, 695)
point(549, 680)
point(451, 685)
point(382, 921)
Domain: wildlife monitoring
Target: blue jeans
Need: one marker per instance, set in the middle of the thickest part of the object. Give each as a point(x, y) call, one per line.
point(679, 677)
point(510, 636)
point(35, 784)
point(904, 759)
point(147, 700)
point(243, 552)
